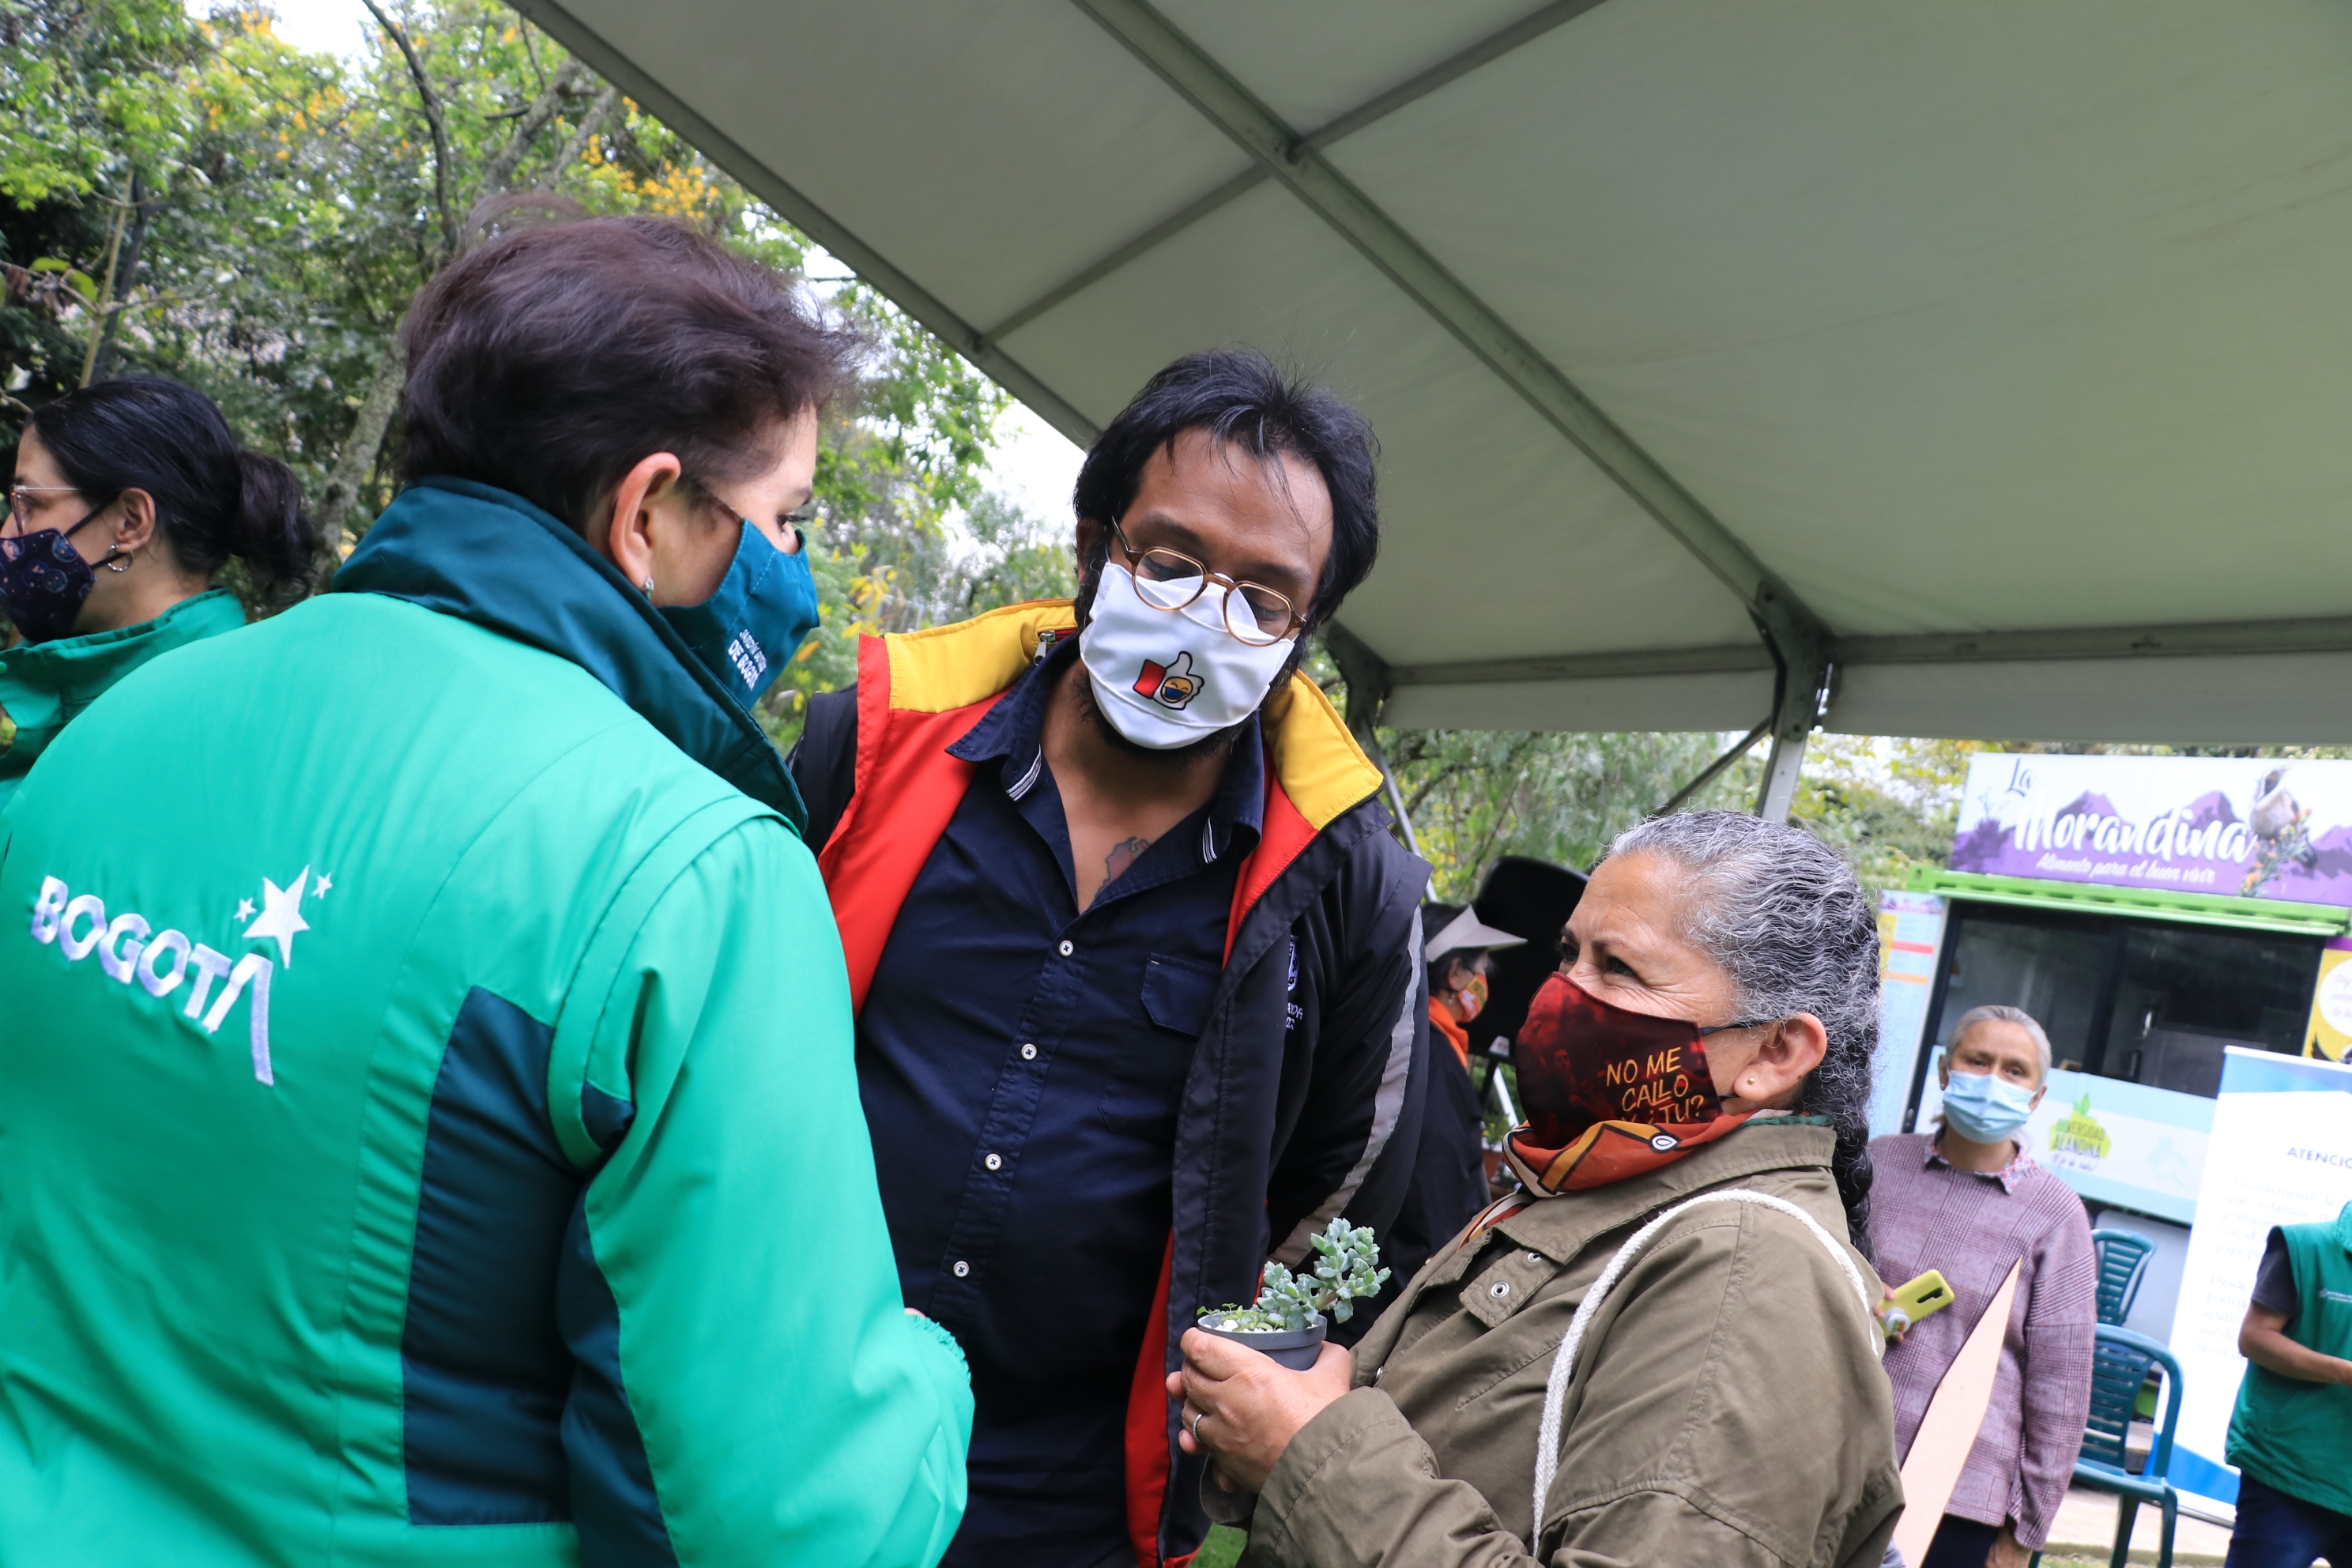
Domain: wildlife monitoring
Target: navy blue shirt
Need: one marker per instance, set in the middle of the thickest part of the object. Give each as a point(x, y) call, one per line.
point(1021, 1063)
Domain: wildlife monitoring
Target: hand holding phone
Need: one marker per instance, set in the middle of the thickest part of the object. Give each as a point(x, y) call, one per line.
point(1913, 1300)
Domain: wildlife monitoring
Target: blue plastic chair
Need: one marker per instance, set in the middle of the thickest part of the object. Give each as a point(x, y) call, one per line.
point(2122, 1263)
point(2120, 1364)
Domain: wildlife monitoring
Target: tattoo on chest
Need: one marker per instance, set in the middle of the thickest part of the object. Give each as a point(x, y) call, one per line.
point(1123, 854)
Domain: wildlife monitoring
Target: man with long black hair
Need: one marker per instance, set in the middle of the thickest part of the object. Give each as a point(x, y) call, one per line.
point(1137, 962)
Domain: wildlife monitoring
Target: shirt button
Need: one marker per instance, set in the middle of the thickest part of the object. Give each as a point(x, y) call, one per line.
point(1499, 1289)
point(961, 1269)
point(1028, 1052)
point(1065, 949)
point(994, 1161)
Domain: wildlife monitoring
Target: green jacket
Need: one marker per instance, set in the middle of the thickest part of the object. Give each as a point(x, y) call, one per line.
point(44, 685)
point(2290, 1435)
point(428, 1130)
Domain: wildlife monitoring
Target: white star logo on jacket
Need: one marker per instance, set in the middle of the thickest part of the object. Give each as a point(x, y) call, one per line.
point(281, 916)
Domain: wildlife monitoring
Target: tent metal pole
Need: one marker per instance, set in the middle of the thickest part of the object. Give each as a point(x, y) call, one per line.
point(2197, 639)
point(1396, 797)
point(614, 65)
point(1715, 769)
point(1797, 707)
point(1367, 675)
point(1781, 770)
point(1485, 52)
point(1225, 103)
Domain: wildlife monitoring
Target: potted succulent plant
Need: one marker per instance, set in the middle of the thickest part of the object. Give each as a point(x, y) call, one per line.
point(1288, 1321)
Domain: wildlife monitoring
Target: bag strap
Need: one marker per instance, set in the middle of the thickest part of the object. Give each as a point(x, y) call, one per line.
point(1563, 1366)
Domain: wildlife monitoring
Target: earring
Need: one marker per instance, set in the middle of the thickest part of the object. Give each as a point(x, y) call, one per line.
point(648, 586)
point(114, 563)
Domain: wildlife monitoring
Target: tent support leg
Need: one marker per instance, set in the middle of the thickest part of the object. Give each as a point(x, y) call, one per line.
point(1715, 769)
point(1797, 707)
point(1396, 801)
point(1367, 675)
point(1780, 778)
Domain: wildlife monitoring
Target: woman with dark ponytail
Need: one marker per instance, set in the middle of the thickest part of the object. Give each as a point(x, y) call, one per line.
point(1664, 1348)
point(129, 499)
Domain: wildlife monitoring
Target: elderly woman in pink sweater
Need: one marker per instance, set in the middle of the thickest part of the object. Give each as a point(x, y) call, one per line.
point(1968, 1200)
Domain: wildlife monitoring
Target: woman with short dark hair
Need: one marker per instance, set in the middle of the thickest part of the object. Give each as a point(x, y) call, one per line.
point(129, 499)
point(430, 1125)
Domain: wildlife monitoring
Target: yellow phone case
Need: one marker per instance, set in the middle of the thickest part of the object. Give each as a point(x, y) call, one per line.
point(1914, 1300)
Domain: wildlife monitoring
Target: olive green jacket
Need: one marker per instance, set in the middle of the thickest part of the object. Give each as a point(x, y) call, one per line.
point(1727, 1406)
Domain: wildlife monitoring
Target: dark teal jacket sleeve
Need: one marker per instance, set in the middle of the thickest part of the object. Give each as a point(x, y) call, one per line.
point(750, 1389)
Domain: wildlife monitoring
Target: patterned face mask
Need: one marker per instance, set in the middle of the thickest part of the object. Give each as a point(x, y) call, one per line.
point(44, 582)
point(1165, 678)
point(1471, 1000)
point(1608, 1092)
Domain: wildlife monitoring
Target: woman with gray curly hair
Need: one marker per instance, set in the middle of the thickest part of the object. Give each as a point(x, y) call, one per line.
point(1661, 1350)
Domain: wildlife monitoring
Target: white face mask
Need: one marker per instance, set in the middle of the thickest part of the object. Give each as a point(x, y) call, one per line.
point(1166, 677)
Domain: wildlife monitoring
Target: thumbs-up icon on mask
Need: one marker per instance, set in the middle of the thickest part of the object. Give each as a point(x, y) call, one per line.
point(1170, 685)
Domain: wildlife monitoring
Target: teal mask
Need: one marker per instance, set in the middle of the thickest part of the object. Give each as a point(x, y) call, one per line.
point(1985, 1109)
point(764, 609)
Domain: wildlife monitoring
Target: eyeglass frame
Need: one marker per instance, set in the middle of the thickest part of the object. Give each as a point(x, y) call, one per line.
point(1233, 586)
point(17, 512)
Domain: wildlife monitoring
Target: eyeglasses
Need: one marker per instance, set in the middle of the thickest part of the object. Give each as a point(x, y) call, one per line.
point(1170, 580)
point(20, 504)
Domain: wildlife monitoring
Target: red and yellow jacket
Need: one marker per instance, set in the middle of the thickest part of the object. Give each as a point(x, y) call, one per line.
point(1303, 1101)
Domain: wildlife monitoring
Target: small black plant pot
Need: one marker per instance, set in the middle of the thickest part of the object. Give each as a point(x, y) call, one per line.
point(1294, 1348)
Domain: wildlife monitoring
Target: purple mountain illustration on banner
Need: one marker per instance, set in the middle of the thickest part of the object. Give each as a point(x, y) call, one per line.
point(2207, 809)
point(2332, 853)
point(2088, 805)
point(1980, 847)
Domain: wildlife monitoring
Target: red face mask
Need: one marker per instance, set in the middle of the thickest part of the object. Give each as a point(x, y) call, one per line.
point(1608, 1091)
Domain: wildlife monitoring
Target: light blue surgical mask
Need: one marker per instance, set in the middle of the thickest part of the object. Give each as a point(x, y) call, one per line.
point(1985, 1109)
point(764, 609)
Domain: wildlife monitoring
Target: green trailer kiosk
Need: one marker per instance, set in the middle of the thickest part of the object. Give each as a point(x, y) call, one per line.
point(2151, 912)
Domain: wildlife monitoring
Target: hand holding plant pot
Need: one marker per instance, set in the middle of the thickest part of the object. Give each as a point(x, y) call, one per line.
point(1243, 1409)
point(1254, 1375)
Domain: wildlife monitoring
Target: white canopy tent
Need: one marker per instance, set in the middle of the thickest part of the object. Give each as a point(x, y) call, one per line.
point(1959, 369)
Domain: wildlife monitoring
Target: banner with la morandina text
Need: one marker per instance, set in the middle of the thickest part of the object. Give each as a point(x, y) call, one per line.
point(2248, 827)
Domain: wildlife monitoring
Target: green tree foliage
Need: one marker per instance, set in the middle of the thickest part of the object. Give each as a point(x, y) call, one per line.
point(1476, 795)
point(254, 220)
point(894, 567)
point(1886, 805)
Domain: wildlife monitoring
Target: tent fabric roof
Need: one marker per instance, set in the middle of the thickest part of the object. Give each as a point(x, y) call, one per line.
point(1999, 354)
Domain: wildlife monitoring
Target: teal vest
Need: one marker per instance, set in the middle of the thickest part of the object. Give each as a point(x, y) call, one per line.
point(2294, 1436)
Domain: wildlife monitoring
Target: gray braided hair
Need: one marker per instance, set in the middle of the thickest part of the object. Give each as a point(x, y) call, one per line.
point(1788, 920)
